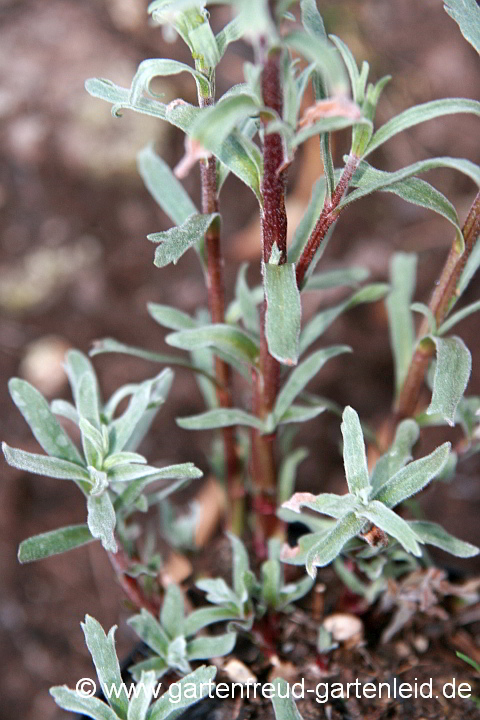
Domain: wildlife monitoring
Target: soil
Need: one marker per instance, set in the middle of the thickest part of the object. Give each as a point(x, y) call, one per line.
point(75, 265)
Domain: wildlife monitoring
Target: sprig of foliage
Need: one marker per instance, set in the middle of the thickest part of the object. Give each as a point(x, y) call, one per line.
point(370, 500)
point(111, 475)
point(137, 704)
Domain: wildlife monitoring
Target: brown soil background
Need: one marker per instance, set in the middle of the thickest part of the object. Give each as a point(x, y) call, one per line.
point(75, 264)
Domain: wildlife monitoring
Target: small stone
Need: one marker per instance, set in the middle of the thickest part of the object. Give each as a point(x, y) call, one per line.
point(421, 643)
point(238, 672)
point(345, 628)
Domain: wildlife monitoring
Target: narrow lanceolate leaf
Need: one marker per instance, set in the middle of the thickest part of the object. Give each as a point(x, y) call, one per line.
point(161, 67)
point(172, 613)
point(398, 455)
point(400, 318)
point(466, 14)
point(344, 277)
point(315, 49)
point(139, 703)
point(391, 523)
point(240, 566)
point(458, 316)
point(247, 302)
point(312, 21)
point(354, 457)
point(413, 477)
point(176, 241)
point(288, 472)
point(216, 123)
point(76, 366)
point(199, 619)
point(298, 413)
point(452, 373)
point(150, 631)
point(433, 534)
point(54, 543)
point(102, 650)
point(44, 425)
point(283, 703)
point(421, 113)
point(164, 187)
point(203, 648)
point(170, 317)
point(307, 223)
point(44, 465)
point(335, 506)
point(184, 693)
point(230, 33)
point(331, 544)
point(220, 417)
point(473, 263)
point(284, 312)
point(323, 319)
point(102, 520)
point(90, 707)
point(352, 67)
point(368, 179)
point(301, 376)
point(231, 340)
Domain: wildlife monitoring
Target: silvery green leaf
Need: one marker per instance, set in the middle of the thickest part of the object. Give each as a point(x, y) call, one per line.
point(391, 523)
point(418, 114)
point(231, 340)
point(298, 555)
point(330, 545)
point(368, 179)
point(284, 312)
point(102, 650)
point(217, 122)
point(230, 33)
point(204, 45)
point(157, 665)
point(177, 655)
point(172, 613)
point(218, 593)
point(473, 263)
point(295, 414)
point(433, 534)
point(400, 320)
point(162, 67)
point(109, 345)
point(220, 417)
point(315, 49)
point(282, 700)
point(185, 693)
point(65, 409)
point(398, 455)
point(348, 277)
point(287, 474)
point(150, 631)
point(90, 707)
point(271, 572)
point(294, 591)
point(354, 456)
point(357, 83)
point(427, 314)
point(301, 376)
point(466, 14)
point(413, 477)
point(234, 311)
point(76, 365)
point(322, 320)
point(335, 506)
point(202, 648)
point(240, 566)
point(54, 542)
point(175, 242)
point(164, 187)
point(88, 406)
point(458, 316)
point(170, 317)
point(95, 438)
point(139, 703)
point(452, 373)
point(123, 458)
point(99, 480)
point(312, 21)
point(45, 427)
point(247, 302)
point(45, 465)
point(199, 619)
point(102, 520)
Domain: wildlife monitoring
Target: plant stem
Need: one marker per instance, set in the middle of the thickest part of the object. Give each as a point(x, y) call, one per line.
point(274, 232)
point(441, 302)
point(328, 216)
point(216, 304)
point(130, 585)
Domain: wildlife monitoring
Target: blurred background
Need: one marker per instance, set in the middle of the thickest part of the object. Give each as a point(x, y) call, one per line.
point(75, 266)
